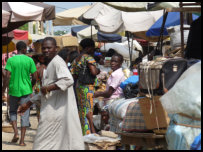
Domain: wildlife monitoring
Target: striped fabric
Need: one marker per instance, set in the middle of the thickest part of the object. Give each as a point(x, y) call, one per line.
point(134, 119)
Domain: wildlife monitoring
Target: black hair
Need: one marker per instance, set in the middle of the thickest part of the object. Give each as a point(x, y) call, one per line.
point(119, 55)
point(110, 53)
point(73, 55)
point(63, 53)
point(97, 58)
point(49, 39)
point(87, 42)
point(21, 46)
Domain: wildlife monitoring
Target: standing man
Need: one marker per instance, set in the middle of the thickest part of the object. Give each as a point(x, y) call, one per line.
point(19, 68)
point(59, 125)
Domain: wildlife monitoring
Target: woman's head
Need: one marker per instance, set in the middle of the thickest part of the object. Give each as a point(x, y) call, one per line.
point(116, 61)
point(88, 45)
point(64, 54)
point(73, 55)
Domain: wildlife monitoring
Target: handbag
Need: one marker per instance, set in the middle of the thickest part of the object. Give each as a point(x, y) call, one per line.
point(84, 76)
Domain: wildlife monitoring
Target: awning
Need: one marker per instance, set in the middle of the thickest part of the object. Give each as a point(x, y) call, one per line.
point(70, 16)
point(23, 12)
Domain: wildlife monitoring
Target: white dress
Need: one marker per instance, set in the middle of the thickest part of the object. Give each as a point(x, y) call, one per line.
point(59, 126)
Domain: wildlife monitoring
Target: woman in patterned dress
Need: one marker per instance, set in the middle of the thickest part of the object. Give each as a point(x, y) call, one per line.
point(85, 92)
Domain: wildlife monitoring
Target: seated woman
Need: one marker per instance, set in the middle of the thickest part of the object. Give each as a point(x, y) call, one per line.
point(113, 90)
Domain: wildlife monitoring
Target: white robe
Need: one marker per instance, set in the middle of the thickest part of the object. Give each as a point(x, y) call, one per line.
point(59, 126)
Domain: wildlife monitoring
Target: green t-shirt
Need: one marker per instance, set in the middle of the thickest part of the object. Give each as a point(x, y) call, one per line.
point(20, 66)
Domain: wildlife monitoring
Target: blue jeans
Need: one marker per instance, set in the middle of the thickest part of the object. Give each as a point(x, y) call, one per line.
point(14, 102)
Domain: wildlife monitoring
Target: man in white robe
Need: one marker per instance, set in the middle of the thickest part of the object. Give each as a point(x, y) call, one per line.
point(59, 125)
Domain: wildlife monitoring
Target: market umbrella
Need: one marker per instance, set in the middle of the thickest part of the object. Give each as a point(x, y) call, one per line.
point(23, 12)
point(162, 5)
point(6, 39)
point(128, 6)
point(14, 36)
point(173, 19)
point(84, 31)
point(5, 18)
point(70, 16)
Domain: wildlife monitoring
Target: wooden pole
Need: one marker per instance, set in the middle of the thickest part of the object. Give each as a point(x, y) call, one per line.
point(181, 30)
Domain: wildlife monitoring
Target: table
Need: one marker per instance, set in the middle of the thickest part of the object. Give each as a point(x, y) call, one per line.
point(149, 140)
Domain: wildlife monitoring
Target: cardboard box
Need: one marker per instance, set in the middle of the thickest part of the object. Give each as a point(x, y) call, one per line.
point(150, 119)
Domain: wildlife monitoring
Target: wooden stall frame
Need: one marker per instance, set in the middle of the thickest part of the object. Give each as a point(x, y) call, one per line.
point(183, 10)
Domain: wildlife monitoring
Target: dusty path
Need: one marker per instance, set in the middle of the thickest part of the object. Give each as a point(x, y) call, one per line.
point(29, 137)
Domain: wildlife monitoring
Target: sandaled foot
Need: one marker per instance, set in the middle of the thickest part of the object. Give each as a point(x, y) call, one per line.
point(22, 144)
point(15, 139)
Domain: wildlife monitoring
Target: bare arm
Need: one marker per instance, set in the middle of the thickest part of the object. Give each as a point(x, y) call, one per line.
point(34, 78)
point(105, 94)
point(6, 81)
point(94, 71)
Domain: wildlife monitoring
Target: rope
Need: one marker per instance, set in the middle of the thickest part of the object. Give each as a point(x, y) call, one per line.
point(193, 126)
point(153, 100)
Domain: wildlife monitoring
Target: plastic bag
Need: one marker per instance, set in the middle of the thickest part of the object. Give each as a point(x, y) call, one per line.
point(131, 90)
point(185, 95)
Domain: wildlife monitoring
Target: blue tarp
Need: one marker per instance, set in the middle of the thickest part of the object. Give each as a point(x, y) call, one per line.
point(102, 37)
point(76, 29)
point(172, 19)
point(108, 37)
point(196, 145)
point(133, 79)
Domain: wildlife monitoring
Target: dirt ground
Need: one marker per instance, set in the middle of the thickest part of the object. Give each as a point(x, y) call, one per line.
point(29, 136)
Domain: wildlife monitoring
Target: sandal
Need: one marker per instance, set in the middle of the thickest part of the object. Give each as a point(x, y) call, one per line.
point(22, 144)
point(15, 139)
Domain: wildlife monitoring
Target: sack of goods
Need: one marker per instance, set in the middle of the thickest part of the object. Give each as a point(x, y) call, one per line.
point(159, 75)
point(134, 119)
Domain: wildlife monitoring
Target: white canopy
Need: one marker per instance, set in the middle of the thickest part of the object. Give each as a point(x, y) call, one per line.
point(123, 49)
point(86, 33)
point(129, 6)
point(133, 22)
point(5, 18)
point(70, 17)
point(111, 20)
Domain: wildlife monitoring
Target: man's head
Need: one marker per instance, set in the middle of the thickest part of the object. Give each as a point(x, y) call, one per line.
point(49, 48)
point(88, 45)
point(116, 61)
point(21, 47)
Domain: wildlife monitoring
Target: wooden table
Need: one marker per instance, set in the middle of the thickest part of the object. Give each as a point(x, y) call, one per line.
point(148, 140)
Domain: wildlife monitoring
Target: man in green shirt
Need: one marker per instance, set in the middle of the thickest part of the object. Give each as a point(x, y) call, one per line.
point(19, 68)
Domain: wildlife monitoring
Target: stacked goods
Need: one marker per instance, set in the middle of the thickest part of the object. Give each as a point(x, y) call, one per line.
point(97, 142)
point(108, 134)
point(185, 96)
point(134, 119)
point(159, 75)
point(183, 102)
point(155, 116)
point(117, 110)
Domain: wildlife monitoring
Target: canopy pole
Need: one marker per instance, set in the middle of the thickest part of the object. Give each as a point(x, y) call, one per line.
point(128, 43)
point(132, 36)
point(91, 30)
point(7, 112)
point(7, 45)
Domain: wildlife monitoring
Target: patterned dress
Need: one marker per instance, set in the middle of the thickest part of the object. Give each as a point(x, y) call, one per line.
point(84, 94)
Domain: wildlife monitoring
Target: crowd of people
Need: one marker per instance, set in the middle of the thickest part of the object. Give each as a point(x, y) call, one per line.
point(62, 84)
